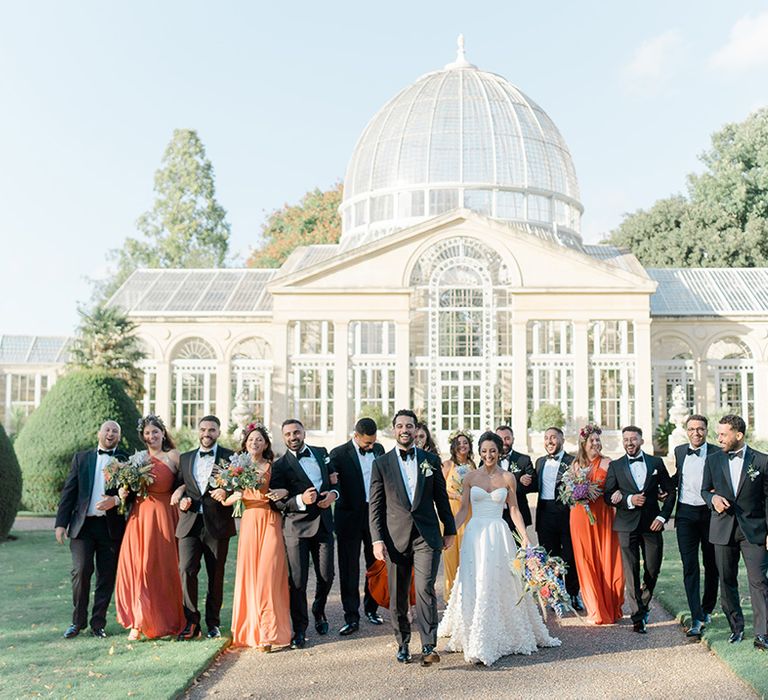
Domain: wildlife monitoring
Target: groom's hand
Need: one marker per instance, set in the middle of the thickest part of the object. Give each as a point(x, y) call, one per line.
point(61, 534)
point(379, 551)
point(448, 541)
point(720, 504)
point(327, 497)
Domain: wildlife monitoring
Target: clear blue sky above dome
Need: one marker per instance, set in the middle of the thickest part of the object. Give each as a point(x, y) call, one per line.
point(280, 93)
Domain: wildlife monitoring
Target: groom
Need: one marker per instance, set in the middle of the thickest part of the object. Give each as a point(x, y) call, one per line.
point(407, 497)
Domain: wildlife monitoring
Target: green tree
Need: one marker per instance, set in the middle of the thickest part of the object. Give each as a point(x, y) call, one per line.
point(106, 340)
point(723, 220)
point(186, 227)
point(10, 478)
point(315, 219)
point(547, 415)
point(66, 422)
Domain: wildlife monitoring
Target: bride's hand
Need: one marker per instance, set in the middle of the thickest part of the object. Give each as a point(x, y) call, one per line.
point(525, 543)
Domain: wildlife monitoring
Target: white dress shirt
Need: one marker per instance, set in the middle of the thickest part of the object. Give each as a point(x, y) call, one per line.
point(366, 465)
point(549, 476)
point(97, 492)
point(639, 473)
point(202, 470)
point(735, 466)
point(409, 472)
point(311, 468)
point(692, 475)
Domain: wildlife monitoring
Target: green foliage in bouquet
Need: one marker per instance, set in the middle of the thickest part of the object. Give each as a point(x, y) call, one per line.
point(66, 422)
point(10, 478)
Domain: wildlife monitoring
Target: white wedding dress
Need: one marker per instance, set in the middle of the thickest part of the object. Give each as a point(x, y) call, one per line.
point(483, 618)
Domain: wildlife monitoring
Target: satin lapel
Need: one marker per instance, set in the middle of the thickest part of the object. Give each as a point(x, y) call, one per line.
point(354, 461)
point(188, 474)
point(323, 469)
point(90, 471)
point(294, 464)
point(748, 459)
point(648, 472)
point(726, 469)
point(419, 481)
point(397, 474)
point(628, 470)
point(540, 472)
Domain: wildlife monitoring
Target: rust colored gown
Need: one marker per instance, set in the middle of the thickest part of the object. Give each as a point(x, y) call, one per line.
point(148, 587)
point(598, 556)
point(261, 607)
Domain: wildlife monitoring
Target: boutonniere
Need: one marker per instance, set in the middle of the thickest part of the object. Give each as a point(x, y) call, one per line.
point(752, 471)
point(514, 468)
point(327, 459)
point(655, 472)
point(426, 468)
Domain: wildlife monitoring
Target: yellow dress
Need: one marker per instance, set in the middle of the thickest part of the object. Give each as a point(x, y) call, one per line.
point(453, 485)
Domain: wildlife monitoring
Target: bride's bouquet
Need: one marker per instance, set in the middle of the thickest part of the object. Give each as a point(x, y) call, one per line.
point(576, 488)
point(543, 576)
point(238, 474)
point(134, 475)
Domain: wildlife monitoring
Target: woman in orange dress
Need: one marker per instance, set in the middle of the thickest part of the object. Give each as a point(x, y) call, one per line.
point(454, 471)
point(261, 608)
point(596, 547)
point(148, 588)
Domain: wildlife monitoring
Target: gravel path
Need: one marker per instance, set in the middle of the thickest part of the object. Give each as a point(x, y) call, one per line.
point(34, 522)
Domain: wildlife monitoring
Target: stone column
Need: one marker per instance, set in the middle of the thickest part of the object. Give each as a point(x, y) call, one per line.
point(402, 364)
point(643, 412)
point(520, 383)
point(341, 393)
point(580, 374)
point(280, 384)
point(163, 390)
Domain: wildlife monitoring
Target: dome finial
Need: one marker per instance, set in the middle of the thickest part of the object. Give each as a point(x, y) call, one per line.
point(461, 58)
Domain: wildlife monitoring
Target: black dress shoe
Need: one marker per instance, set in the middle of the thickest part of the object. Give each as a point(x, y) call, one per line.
point(349, 628)
point(576, 603)
point(299, 641)
point(696, 629)
point(428, 655)
point(191, 631)
point(639, 627)
point(213, 632)
point(374, 618)
point(72, 631)
point(321, 625)
point(761, 642)
point(403, 655)
point(98, 632)
point(736, 637)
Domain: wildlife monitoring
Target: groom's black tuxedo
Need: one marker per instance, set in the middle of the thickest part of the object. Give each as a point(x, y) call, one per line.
point(742, 528)
point(410, 531)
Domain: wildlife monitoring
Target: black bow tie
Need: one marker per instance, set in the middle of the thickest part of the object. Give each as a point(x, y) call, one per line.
point(407, 454)
point(107, 452)
point(736, 455)
point(696, 452)
point(304, 453)
point(632, 460)
point(206, 454)
point(365, 451)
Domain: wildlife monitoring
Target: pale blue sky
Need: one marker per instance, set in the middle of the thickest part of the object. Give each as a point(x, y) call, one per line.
point(91, 91)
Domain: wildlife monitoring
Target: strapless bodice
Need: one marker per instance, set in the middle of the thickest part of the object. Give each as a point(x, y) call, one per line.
point(485, 504)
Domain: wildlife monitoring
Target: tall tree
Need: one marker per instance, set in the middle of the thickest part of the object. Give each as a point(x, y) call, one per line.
point(106, 341)
point(315, 219)
point(723, 222)
point(186, 227)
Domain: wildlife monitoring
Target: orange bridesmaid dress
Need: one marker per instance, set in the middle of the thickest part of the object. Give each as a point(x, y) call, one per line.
point(261, 607)
point(598, 556)
point(148, 586)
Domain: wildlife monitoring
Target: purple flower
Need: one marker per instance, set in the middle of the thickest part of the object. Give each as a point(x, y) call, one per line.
point(580, 492)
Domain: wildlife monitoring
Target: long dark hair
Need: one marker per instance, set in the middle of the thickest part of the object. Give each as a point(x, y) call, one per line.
point(429, 445)
point(261, 430)
point(455, 447)
point(152, 419)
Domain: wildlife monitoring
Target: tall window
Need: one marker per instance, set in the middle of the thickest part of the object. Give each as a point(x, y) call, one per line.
point(612, 373)
point(372, 364)
point(21, 394)
point(193, 393)
point(251, 378)
point(672, 367)
point(550, 365)
point(148, 402)
point(310, 346)
point(732, 369)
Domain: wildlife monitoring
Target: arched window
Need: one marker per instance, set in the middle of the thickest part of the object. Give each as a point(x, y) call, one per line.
point(193, 392)
point(672, 367)
point(252, 378)
point(732, 369)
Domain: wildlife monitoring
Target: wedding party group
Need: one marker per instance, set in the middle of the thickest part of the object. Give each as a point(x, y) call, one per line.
point(145, 524)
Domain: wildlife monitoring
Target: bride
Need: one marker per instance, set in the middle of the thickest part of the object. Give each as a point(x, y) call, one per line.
point(484, 618)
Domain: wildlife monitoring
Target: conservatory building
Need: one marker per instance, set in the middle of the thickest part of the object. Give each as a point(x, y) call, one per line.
point(460, 287)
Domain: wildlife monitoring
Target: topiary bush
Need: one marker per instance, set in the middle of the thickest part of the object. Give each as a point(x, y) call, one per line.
point(10, 478)
point(66, 422)
point(547, 415)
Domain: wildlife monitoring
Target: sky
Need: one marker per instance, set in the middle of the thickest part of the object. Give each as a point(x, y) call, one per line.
point(90, 93)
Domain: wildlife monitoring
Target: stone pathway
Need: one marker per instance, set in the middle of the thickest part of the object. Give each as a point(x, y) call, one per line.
point(33, 522)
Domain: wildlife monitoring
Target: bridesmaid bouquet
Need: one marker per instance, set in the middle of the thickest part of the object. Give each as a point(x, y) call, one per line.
point(457, 478)
point(134, 475)
point(576, 488)
point(543, 576)
point(238, 474)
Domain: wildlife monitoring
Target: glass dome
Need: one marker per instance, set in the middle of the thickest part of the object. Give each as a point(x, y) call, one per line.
point(459, 138)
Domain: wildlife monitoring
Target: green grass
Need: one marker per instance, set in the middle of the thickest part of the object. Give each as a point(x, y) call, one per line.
point(746, 661)
point(35, 659)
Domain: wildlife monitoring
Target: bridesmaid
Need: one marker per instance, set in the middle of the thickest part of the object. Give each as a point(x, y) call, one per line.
point(423, 439)
point(261, 610)
point(596, 547)
point(148, 588)
point(454, 471)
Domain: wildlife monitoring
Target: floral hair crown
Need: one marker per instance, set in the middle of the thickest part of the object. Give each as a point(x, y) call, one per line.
point(253, 426)
point(149, 418)
point(459, 433)
point(589, 429)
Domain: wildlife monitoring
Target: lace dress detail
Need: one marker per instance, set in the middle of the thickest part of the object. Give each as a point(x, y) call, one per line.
point(483, 618)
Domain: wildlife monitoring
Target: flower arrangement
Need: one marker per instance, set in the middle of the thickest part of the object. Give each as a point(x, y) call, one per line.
point(458, 433)
point(752, 471)
point(133, 475)
point(542, 576)
point(426, 468)
point(457, 478)
point(576, 488)
point(588, 430)
point(238, 474)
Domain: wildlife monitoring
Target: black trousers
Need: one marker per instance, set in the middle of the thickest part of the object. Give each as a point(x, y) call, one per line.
point(349, 541)
point(93, 542)
point(421, 561)
point(553, 523)
point(197, 545)
point(299, 550)
point(756, 561)
point(639, 593)
point(692, 529)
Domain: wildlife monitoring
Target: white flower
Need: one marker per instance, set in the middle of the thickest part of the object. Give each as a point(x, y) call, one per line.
point(426, 468)
point(327, 459)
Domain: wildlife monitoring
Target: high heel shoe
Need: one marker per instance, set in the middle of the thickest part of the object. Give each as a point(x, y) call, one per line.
point(134, 635)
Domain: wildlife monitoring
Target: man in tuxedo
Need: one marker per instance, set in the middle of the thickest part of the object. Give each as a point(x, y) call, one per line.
point(692, 524)
point(639, 478)
point(89, 512)
point(305, 471)
point(353, 462)
point(407, 498)
point(735, 486)
point(522, 467)
point(204, 529)
point(553, 518)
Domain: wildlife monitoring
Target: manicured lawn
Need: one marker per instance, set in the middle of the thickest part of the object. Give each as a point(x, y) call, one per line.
point(35, 659)
point(744, 659)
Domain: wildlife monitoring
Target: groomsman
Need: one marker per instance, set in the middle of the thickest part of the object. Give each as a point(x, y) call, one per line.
point(204, 529)
point(522, 467)
point(553, 518)
point(89, 512)
point(306, 473)
point(639, 477)
point(735, 485)
point(692, 524)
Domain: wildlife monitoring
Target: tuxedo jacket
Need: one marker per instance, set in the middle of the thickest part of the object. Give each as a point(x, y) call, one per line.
point(520, 465)
point(749, 505)
point(217, 518)
point(288, 474)
point(680, 455)
point(350, 513)
point(392, 516)
point(76, 496)
point(657, 478)
point(538, 481)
